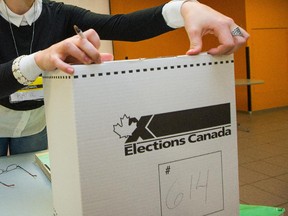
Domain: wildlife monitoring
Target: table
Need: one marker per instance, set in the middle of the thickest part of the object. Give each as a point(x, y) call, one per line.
point(248, 83)
point(30, 196)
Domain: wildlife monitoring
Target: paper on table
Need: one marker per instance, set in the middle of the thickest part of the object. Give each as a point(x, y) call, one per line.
point(248, 210)
point(43, 161)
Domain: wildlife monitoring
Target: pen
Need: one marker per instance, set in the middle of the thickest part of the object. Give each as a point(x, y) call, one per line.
point(79, 32)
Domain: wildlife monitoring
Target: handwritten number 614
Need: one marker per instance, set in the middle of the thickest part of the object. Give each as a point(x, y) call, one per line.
point(174, 199)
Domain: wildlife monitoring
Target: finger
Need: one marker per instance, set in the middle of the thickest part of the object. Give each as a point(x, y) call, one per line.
point(195, 39)
point(69, 52)
point(61, 65)
point(89, 52)
point(67, 68)
point(49, 60)
point(106, 57)
point(93, 37)
point(91, 45)
point(244, 35)
point(239, 40)
point(226, 42)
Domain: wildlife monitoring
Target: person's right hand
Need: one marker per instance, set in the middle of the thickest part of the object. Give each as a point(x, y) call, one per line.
point(73, 50)
point(200, 20)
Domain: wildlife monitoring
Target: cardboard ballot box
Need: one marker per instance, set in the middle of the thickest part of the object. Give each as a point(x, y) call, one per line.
point(147, 137)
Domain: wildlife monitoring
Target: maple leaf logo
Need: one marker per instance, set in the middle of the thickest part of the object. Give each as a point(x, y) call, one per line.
point(125, 128)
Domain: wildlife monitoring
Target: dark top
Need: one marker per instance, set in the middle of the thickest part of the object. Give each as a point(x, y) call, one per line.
point(56, 23)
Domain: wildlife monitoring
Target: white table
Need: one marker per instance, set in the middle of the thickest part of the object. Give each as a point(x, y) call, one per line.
point(248, 82)
point(30, 196)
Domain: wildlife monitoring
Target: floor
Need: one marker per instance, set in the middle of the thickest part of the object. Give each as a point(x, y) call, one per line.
point(263, 158)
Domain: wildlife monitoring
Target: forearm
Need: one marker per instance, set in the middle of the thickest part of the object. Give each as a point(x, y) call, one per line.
point(149, 22)
point(8, 82)
point(135, 26)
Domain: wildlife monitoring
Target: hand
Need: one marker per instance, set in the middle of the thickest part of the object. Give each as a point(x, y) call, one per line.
point(73, 50)
point(200, 20)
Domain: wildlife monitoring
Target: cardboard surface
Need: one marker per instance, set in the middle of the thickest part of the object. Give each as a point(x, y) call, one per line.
point(153, 137)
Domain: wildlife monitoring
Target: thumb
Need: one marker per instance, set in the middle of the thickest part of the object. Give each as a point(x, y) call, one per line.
point(195, 44)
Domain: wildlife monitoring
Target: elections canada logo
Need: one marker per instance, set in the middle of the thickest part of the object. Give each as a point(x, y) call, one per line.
point(166, 130)
point(125, 128)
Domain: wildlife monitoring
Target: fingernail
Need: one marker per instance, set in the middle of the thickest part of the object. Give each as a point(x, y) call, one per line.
point(70, 70)
point(87, 60)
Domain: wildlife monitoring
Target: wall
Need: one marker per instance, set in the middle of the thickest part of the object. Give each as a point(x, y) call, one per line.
point(143, 49)
point(176, 42)
point(172, 43)
point(267, 22)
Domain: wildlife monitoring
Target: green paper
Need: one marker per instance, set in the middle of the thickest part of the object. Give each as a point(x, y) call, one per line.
point(252, 210)
point(44, 158)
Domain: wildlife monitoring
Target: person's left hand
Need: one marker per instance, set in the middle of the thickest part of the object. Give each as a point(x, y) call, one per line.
point(200, 20)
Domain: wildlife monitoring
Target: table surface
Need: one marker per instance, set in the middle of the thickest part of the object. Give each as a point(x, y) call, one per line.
point(246, 82)
point(30, 196)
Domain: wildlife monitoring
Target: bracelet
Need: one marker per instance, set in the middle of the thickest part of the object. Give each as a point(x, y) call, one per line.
point(17, 73)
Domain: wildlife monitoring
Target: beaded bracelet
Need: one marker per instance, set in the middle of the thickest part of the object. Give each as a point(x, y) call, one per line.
point(17, 73)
